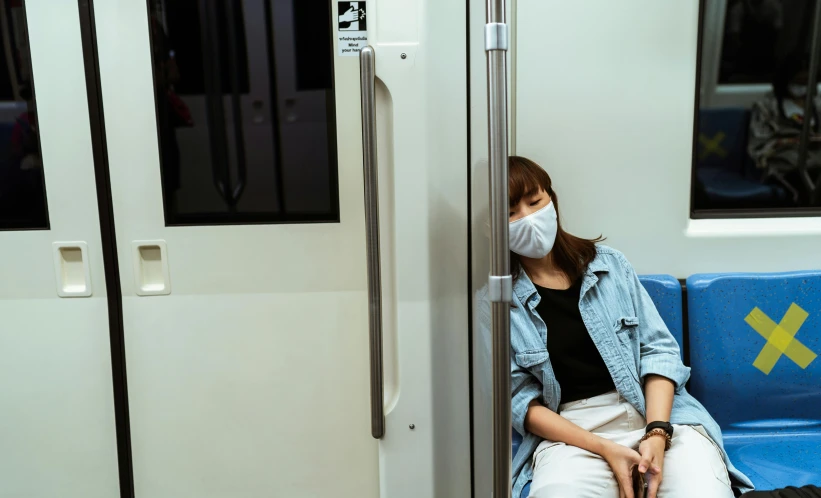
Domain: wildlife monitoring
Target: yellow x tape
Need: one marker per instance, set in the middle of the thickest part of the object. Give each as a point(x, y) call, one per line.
point(712, 145)
point(780, 338)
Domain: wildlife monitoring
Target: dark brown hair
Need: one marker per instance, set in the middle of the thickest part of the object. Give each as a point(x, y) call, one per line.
point(571, 254)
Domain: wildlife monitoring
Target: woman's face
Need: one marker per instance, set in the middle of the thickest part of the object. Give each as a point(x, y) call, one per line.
point(529, 205)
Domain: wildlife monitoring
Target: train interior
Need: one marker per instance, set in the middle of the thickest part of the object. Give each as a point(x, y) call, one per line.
point(242, 242)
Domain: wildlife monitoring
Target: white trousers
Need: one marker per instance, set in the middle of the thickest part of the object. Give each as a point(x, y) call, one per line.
point(693, 466)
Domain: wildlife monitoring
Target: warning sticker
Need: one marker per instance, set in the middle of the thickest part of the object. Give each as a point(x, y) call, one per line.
point(353, 28)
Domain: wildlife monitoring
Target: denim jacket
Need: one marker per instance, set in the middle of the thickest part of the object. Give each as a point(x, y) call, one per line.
point(625, 326)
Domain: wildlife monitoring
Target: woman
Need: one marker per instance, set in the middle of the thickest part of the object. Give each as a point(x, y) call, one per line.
point(597, 379)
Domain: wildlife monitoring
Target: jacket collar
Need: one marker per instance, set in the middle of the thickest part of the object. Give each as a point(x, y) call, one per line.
point(525, 290)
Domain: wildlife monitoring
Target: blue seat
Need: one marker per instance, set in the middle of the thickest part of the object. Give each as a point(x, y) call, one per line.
point(722, 158)
point(665, 291)
point(753, 345)
point(722, 185)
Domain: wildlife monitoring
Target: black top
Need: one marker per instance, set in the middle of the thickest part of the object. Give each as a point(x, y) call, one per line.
point(578, 365)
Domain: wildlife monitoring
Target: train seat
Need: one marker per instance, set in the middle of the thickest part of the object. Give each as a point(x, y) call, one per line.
point(753, 345)
point(665, 291)
point(722, 167)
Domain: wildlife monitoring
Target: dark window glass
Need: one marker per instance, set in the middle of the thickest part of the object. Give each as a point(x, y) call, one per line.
point(22, 189)
point(245, 110)
point(753, 155)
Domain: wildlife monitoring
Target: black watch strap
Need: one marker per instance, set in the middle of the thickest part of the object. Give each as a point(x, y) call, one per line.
point(666, 426)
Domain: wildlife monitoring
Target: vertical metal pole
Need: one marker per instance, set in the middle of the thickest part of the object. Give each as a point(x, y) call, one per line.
point(812, 83)
point(236, 101)
point(215, 114)
point(500, 282)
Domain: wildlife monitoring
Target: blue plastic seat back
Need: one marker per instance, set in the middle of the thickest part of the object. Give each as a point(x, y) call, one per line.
point(753, 345)
point(722, 138)
point(665, 291)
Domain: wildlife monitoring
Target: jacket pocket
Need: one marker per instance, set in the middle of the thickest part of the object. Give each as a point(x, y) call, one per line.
point(627, 339)
point(528, 359)
point(626, 323)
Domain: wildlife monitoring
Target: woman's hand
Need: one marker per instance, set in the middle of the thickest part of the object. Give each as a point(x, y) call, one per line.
point(652, 462)
point(622, 461)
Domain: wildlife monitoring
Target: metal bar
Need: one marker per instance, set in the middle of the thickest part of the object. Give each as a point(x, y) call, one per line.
point(367, 68)
point(812, 82)
point(276, 122)
point(496, 45)
point(209, 34)
point(236, 103)
point(495, 12)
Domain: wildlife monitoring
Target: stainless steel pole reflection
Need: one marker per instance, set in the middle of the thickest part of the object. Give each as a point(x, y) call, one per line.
point(500, 282)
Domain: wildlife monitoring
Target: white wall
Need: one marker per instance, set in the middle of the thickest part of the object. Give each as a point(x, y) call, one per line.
point(605, 96)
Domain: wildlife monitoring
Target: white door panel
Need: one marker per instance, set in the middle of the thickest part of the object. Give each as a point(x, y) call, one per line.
point(251, 378)
point(57, 433)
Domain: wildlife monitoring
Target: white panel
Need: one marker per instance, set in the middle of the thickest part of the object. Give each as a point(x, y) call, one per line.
point(57, 433)
point(606, 104)
point(429, 170)
point(250, 395)
point(251, 379)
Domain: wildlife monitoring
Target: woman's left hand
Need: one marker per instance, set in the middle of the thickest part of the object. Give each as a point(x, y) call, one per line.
point(652, 463)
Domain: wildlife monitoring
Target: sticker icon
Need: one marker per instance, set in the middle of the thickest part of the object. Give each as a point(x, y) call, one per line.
point(352, 16)
point(780, 338)
point(352, 28)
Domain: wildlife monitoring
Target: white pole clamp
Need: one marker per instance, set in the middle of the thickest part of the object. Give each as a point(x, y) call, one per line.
point(496, 36)
point(500, 289)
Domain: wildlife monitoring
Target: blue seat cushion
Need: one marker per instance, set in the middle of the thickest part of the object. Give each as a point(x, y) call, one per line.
point(723, 185)
point(776, 460)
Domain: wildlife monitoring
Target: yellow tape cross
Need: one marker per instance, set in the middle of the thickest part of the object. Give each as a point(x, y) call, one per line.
point(780, 338)
point(712, 145)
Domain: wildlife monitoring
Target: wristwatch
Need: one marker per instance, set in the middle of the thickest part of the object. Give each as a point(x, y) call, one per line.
point(665, 426)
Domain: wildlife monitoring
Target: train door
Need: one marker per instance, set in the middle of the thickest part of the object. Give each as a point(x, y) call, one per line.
point(234, 140)
point(57, 433)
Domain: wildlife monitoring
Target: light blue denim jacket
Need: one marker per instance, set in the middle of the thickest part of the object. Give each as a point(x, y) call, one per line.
point(625, 326)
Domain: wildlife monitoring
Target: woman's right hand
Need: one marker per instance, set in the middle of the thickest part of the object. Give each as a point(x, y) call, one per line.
point(622, 461)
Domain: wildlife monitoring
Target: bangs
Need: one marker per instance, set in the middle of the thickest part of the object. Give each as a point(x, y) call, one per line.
point(526, 178)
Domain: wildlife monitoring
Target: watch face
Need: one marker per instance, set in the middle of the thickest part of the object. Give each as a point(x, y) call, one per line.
point(667, 426)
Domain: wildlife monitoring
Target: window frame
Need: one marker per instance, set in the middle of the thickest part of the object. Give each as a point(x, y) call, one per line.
point(707, 89)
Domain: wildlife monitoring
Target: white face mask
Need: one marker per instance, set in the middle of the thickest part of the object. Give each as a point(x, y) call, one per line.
point(533, 236)
point(797, 91)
